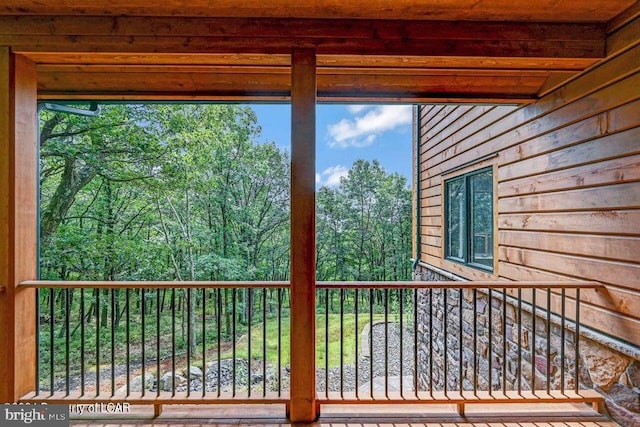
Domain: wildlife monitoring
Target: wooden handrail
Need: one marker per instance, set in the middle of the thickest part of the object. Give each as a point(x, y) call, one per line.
point(484, 284)
point(453, 284)
point(132, 284)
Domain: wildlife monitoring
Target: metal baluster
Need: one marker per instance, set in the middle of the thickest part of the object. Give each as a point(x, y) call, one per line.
point(67, 325)
point(415, 340)
point(461, 335)
point(279, 342)
point(189, 342)
point(504, 341)
point(52, 323)
point(355, 338)
point(577, 343)
point(158, 342)
point(548, 340)
point(476, 357)
point(401, 310)
point(173, 341)
point(533, 341)
point(415, 344)
point(371, 342)
point(143, 308)
point(326, 342)
point(386, 343)
point(82, 343)
point(128, 338)
point(519, 371)
point(113, 342)
point(562, 338)
point(219, 323)
point(37, 382)
point(341, 342)
point(204, 341)
point(97, 342)
point(249, 318)
point(233, 333)
point(490, 333)
point(264, 342)
point(445, 328)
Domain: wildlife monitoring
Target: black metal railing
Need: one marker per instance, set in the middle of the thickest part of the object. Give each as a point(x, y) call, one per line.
point(447, 340)
point(215, 342)
point(161, 339)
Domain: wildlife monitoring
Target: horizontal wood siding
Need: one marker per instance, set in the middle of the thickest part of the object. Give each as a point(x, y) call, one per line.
point(567, 187)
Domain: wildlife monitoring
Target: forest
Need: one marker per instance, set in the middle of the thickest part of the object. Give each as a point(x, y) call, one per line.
point(183, 192)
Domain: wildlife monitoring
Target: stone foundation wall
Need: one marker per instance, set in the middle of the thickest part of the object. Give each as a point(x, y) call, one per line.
point(611, 368)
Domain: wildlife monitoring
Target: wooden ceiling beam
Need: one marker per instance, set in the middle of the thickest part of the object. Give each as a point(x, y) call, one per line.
point(147, 83)
point(279, 36)
point(514, 10)
point(324, 61)
point(88, 69)
point(588, 49)
point(294, 28)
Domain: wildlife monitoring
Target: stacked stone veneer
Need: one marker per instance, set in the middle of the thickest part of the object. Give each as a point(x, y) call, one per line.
point(610, 367)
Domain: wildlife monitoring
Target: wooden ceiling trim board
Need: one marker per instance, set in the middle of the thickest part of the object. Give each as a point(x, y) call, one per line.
point(159, 69)
point(183, 96)
point(250, 69)
point(373, 37)
point(624, 37)
point(341, 86)
point(501, 10)
point(324, 61)
point(298, 28)
point(167, 96)
point(590, 49)
point(100, 58)
point(489, 62)
point(436, 72)
point(624, 17)
point(554, 81)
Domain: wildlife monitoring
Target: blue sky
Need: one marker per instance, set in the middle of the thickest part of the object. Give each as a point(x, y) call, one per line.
point(346, 133)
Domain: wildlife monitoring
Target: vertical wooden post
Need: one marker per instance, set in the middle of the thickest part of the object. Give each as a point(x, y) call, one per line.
point(303, 236)
point(18, 223)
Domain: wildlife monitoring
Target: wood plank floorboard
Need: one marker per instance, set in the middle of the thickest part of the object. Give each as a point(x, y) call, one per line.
point(515, 415)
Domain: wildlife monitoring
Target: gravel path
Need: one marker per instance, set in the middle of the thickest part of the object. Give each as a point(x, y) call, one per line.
point(384, 361)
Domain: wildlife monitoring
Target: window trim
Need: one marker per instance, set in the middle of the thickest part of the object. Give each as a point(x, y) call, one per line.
point(467, 220)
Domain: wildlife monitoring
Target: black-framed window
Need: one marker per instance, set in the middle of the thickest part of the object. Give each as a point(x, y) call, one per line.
point(469, 219)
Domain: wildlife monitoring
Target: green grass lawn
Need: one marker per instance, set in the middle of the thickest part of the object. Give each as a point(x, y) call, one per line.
point(349, 337)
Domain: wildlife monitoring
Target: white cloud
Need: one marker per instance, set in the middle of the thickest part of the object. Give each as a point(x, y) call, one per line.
point(330, 177)
point(355, 109)
point(364, 129)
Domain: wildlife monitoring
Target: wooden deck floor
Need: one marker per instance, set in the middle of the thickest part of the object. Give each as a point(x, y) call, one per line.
point(525, 415)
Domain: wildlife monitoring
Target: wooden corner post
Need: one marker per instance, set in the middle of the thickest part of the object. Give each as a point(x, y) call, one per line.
point(302, 406)
point(18, 223)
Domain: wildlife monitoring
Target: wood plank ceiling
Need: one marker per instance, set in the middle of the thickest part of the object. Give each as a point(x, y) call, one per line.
point(400, 50)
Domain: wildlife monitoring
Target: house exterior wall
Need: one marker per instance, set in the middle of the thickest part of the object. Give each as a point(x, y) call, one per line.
point(566, 175)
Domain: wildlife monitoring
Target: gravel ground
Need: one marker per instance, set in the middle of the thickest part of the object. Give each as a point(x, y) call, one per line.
point(385, 358)
point(384, 362)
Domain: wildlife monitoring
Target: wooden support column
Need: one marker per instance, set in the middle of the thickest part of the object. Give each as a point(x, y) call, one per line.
point(18, 223)
point(302, 407)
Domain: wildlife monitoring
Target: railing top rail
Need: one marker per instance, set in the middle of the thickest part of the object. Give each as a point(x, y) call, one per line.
point(151, 284)
point(486, 284)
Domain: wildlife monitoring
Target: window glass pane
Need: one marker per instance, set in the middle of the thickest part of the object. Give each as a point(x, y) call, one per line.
point(455, 218)
point(481, 189)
